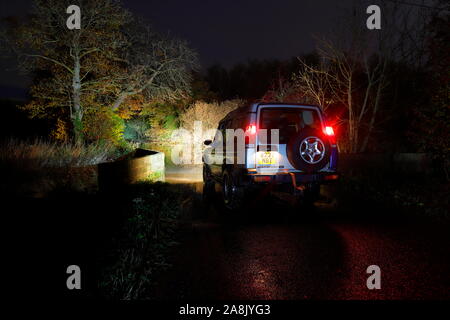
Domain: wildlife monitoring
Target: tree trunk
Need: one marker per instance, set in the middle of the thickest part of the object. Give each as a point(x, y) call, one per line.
point(352, 121)
point(375, 107)
point(372, 119)
point(77, 112)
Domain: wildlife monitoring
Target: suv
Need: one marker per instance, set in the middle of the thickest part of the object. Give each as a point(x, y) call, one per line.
point(282, 147)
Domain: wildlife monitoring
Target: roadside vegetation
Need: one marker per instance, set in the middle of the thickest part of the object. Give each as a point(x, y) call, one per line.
point(410, 196)
point(209, 114)
point(35, 168)
point(140, 248)
point(40, 153)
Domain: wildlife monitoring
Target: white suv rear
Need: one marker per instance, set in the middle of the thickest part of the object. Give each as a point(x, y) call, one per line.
point(285, 147)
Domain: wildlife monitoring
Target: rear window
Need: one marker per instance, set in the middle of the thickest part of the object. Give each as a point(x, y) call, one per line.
point(289, 121)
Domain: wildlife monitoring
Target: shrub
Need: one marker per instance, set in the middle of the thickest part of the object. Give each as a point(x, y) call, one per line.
point(209, 113)
point(163, 119)
point(103, 124)
point(137, 130)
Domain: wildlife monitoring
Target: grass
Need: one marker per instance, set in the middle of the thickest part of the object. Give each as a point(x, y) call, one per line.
point(40, 153)
point(33, 168)
point(125, 235)
point(140, 248)
point(425, 195)
point(155, 176)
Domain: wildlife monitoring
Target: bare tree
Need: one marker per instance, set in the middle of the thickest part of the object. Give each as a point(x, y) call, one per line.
point(313, 82)
point(401, 38)
point(155, 65)
point(281, 89)
point(110, 59)
point(353, 69)
point(71, 56)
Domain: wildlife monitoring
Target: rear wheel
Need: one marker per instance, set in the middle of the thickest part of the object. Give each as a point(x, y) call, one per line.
point(208, 184)
point(232, 194)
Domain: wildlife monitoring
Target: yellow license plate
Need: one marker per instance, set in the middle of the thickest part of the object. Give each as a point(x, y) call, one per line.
point(267, 157)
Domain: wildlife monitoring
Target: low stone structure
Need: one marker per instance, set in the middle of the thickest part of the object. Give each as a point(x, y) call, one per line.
point(140, 165)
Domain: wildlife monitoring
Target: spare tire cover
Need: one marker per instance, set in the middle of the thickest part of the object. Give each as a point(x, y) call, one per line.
point(309, 150)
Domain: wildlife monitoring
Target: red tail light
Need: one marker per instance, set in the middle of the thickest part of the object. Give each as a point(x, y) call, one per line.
point(251, 129)
point(329, 131)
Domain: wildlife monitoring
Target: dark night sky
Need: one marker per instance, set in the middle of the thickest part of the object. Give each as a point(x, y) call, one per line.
point(225, 32)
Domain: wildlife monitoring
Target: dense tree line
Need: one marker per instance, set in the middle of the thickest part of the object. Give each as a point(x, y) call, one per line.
point(391, 89)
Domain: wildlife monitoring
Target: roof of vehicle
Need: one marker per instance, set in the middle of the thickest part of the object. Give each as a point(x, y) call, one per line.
point(254, 106)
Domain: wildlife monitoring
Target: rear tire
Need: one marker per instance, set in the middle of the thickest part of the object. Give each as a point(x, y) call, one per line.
point(232, 193)
point(208, 185)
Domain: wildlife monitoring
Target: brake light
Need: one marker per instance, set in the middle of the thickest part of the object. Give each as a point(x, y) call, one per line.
point(329, 131)
point(251, 129)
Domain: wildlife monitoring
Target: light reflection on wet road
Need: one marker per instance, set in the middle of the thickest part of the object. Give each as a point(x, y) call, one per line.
point(274, 252)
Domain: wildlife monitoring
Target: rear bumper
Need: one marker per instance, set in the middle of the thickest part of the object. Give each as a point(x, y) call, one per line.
point(296, 178)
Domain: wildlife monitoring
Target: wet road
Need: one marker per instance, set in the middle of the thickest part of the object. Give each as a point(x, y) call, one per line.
point(275, 252)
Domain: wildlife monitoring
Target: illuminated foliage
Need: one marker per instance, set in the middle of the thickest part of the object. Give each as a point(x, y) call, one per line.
point(61, 131)
point(113, 61)
point(103, 124)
